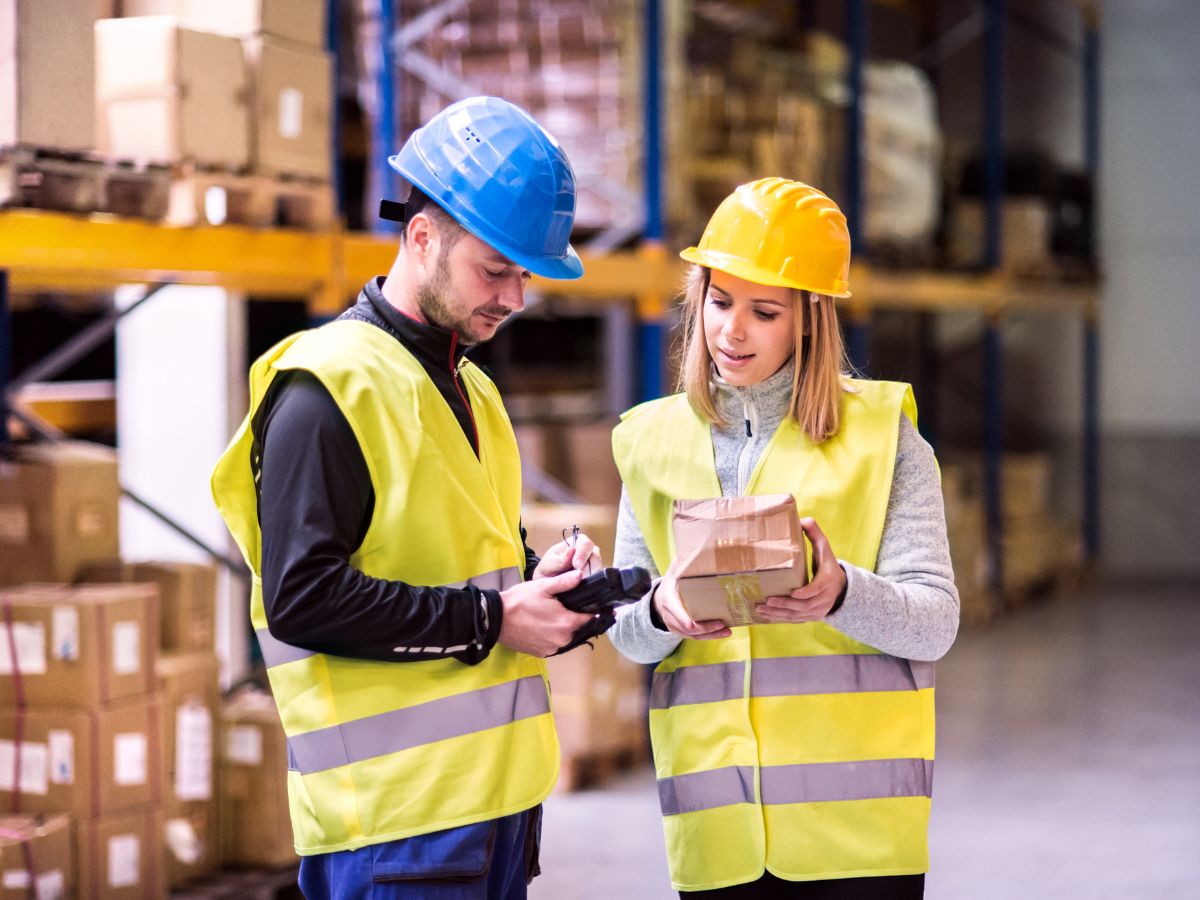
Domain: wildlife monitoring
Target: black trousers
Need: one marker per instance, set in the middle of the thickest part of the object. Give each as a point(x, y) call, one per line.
point(887, 887)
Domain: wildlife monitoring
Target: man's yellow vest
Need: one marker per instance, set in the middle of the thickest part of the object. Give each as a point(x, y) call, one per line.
point(379, 751)
point(790, 748)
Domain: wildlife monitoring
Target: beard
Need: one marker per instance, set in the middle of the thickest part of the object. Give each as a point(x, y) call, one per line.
point(435, 298)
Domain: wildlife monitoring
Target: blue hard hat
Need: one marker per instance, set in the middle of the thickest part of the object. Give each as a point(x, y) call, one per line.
point(502, 177)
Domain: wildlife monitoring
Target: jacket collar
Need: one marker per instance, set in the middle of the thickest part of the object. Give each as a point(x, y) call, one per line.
point(429, 343)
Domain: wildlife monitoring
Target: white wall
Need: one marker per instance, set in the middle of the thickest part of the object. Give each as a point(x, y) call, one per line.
point(179, 390)
point(1150, 218)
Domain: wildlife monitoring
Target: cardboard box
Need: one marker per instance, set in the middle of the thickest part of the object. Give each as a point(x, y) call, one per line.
point(78, 646)
point(733, 552)
point(599, 701)
point(166, 93)
point(297, 20)
point(191, 721)
point(121, 856)
point(187, 598)
point(58, 511)
point(293, 106)
point(47, 96)
point(544, 524)
point(49, 852)
point(86, 762)
point(256, 827)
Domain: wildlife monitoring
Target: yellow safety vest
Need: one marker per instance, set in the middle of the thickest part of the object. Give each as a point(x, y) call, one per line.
point(379, 751)
point(790, 748)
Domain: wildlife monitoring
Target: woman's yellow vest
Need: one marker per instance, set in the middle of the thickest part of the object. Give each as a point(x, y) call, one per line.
point(379, 751)
point(790, 748)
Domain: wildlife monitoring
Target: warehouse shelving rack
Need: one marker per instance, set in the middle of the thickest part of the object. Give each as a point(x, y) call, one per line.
point(42, 251)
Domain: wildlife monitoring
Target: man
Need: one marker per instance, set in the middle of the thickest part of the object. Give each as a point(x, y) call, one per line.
point(374, 489)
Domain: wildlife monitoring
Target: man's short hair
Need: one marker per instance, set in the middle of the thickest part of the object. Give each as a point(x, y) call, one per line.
point(447, 226)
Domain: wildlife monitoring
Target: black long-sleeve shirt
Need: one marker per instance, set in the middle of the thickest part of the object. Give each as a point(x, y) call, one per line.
point(315, 502)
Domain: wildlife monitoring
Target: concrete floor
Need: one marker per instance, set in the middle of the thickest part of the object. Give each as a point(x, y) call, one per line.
point(1068, 765)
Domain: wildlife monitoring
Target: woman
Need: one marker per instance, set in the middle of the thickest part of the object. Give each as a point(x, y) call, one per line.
point(793, 759)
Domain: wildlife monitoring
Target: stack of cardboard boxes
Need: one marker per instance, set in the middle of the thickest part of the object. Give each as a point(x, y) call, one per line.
point(81, 726)
point(226, 83)
point(565, 61)
point(95, 723)
point(187, 674)
point(1039, 547)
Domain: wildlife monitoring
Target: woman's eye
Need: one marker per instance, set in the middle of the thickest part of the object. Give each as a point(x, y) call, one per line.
point(766, 316)
point(719, 303)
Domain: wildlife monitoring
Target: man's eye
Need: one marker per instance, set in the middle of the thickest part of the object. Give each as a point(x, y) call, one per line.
point(492, 274)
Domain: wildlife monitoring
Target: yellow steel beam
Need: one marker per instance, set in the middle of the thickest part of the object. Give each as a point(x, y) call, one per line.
point(51, 250)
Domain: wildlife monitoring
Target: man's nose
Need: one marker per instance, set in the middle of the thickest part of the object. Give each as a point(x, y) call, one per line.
point(512, 293)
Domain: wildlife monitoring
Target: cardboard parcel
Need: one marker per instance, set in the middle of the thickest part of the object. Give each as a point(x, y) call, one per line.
point(731, 553)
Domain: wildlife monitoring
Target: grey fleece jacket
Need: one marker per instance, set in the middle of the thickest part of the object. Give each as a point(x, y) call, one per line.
point(907, 607)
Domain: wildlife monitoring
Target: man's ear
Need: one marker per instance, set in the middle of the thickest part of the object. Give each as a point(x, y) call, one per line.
point(421, 236)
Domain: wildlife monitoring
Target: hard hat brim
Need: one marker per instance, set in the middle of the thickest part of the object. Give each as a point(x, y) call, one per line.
point(747, 271)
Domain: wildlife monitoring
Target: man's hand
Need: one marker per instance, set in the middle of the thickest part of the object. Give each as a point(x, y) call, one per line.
point(576, 553)
point(534, 621)
point(675, 616)
point(812, 602)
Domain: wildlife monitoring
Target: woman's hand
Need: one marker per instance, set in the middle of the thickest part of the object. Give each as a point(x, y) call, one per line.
point(577, 553)
point(812, 602)
point(675, 615)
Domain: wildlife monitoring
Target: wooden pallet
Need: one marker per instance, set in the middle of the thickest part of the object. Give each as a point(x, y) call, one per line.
point(200, 197)
point(42, 178)
point(266, 884)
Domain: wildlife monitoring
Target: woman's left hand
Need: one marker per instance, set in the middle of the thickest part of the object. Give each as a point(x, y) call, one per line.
point(812, 602)
point(577, 553)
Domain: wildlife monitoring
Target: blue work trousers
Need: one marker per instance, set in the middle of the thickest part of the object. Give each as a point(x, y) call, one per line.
point(486, 861)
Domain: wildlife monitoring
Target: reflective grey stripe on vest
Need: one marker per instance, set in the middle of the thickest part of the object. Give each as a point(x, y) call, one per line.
point(698, 684)
point(844, 673)
point(870, 779)
point(401, 729)
point(706, 790)
point(276, 653)
point(789, 676)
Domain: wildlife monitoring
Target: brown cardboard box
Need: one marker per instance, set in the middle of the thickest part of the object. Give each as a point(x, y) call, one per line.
point(544, 524)
point(167, 94)
point(599, 700)
point(46, 72)
point(187, 598)
point(594, 474)
point(87, 762)
point(49, 851)
point(121, 856)
point(58, 511)
point(732, 553)
point(256, 827)
point(297, 20)
point(583, 686)
point(293, 106)
point(78, 646)
point(1025, 223)
point(191, 718)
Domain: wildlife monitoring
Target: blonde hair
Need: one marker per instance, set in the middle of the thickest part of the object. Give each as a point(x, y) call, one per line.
point(819, 364)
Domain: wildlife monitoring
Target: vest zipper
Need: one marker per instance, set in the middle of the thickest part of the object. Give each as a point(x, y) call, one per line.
point(461, 393)
point(750, 416)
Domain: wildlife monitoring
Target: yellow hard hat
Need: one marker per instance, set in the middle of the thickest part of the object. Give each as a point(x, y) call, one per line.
point(778, 232)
